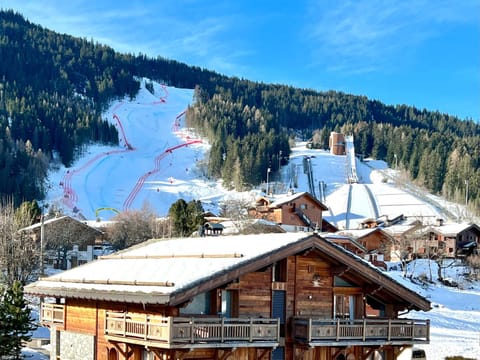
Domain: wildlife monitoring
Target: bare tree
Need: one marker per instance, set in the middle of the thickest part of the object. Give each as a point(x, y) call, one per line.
point(132, 227)
point(237, 210)
point(18, 257)
point(473, 262)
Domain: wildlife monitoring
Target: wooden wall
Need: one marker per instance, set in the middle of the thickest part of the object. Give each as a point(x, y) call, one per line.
point(255, 294)
point(312, 300)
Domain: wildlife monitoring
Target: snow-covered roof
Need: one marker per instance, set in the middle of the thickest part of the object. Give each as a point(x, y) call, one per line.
point(358, 233)
point(162, 267)
point(164, 271)
point(337, 236)
point(451, 229)
point(286, 199)
point(53, 220)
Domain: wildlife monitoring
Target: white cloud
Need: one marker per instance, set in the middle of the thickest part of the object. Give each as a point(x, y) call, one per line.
point(368, 35)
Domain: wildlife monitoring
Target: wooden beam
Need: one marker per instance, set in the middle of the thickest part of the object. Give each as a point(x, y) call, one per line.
point(171, 256)
point(340, 270)
point(110, 282)
point(222, 354)
point(264, 354)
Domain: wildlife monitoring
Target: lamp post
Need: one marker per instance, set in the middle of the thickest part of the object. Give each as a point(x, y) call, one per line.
point(268, 172)
point(466, 194)
point(42, 236)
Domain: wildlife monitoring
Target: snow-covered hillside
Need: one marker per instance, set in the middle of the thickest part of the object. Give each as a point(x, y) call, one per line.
point(159, 162)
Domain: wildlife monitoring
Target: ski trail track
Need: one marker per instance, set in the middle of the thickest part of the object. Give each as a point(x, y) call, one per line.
point(70, 198)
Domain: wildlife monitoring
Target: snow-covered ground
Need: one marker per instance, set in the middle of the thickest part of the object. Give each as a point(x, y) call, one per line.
point(159, 161)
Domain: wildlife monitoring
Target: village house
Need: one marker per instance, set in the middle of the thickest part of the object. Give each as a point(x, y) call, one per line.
point(451, 240)
point(293, 212)
point(379, 245)
point(268, 296)
point(66, 242)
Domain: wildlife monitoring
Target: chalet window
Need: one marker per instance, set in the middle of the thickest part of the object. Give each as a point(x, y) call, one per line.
point(279, 272)
point(344, 307)
point(229, 303)
point(303, 206)
point(200, 304)
point(339, 282)
point(374, 307)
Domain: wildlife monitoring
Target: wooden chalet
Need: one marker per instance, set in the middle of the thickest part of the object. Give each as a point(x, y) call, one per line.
point(63, 238)
point(86, 235)
point(449, 240)
point(379, 244)
point(294, 212)
point(269, 296)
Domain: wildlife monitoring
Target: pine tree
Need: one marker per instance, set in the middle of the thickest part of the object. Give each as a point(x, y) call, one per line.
point(16, 323)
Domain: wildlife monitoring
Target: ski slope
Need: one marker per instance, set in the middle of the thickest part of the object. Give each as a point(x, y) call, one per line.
point(154, 165)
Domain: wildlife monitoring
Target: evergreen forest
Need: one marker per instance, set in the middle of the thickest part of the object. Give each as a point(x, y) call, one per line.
point(55, 87)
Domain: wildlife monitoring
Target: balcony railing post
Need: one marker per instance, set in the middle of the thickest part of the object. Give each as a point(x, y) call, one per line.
point(170, 329)
point(278, 329)
point(124, 323)
point(223, 330)
point(309, 330)
point(145, 330)
point(389, 330)
point(413, 330)
point(364, 330)
point(192, 330)
point(251, 332)
point(338, 329)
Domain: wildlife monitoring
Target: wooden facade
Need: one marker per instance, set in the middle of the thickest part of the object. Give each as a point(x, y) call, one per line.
point(306, 299)
point(296, 212)
point(379, 245)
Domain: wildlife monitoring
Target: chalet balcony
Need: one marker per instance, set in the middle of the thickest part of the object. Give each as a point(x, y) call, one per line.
point(52, 314)
point(369, 331)
point(185, 332)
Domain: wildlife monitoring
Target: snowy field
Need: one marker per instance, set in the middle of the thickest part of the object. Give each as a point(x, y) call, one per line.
point(158, 162)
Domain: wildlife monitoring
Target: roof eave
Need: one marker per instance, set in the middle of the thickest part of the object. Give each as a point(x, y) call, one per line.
point(107, 295)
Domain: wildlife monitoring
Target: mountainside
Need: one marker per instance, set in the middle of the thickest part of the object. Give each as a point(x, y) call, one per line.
point(55, 89)
point(159, 161)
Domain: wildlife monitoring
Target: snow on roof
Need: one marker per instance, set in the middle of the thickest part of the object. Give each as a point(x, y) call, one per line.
point(285, 199)
point(45, 222)
point(398, 229)
point(358, 233)
point(164, 266)
point(55, 219)
point(451, 229)
point(338, 236)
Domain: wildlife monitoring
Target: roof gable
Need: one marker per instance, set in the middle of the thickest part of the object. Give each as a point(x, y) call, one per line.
point(295, 196)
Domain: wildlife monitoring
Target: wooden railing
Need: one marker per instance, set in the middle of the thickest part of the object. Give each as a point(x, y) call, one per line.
point(171, 332)
point(321, 331)
point(52, 313)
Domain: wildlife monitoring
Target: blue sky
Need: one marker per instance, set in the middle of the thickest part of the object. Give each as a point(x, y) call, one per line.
point(424, 53)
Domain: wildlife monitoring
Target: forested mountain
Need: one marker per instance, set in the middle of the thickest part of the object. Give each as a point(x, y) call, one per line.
point(53, 89)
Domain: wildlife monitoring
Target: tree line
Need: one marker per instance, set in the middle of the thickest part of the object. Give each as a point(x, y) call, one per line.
point(54, 89)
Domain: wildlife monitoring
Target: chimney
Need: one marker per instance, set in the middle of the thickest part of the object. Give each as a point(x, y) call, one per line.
point(439, 222)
